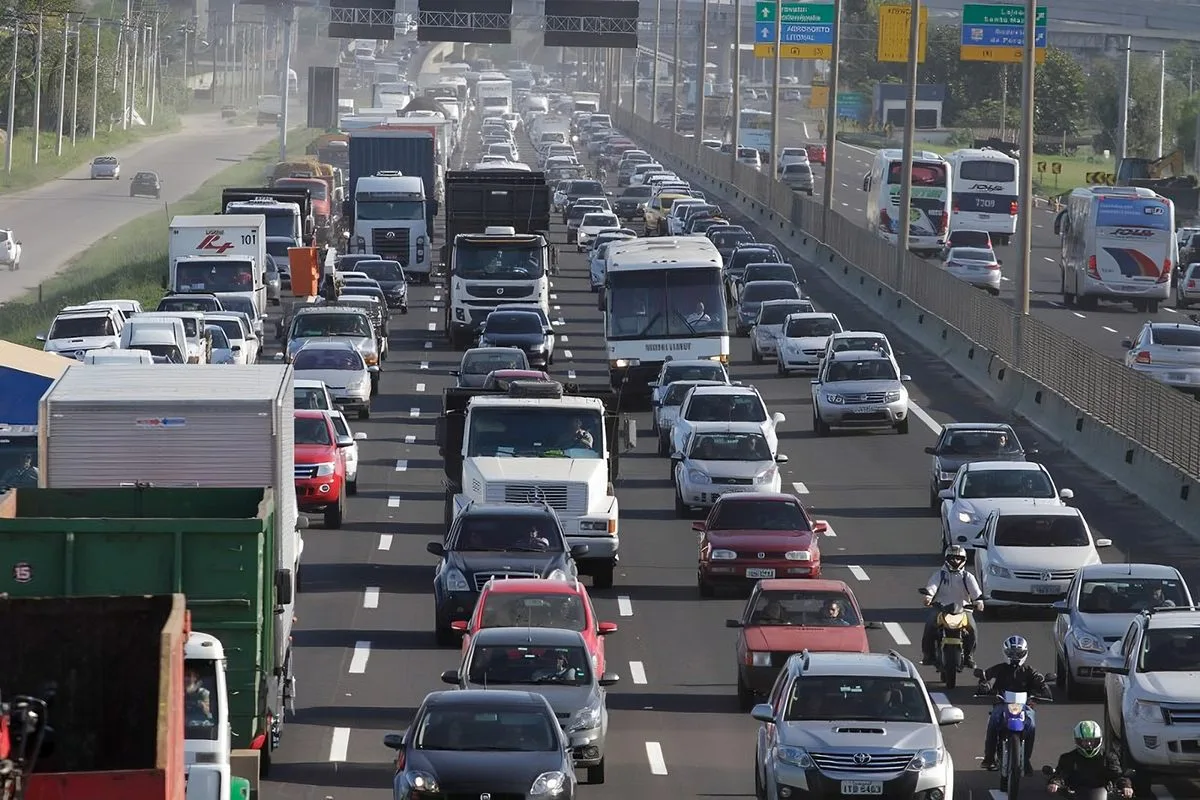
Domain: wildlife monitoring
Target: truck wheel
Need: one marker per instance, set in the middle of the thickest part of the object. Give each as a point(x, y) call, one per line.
point(264, 759)
point(334, 514)
point(352, 487)
point(602, 575)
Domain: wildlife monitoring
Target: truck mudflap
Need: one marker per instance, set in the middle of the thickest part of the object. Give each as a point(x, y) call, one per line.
point(451, 426)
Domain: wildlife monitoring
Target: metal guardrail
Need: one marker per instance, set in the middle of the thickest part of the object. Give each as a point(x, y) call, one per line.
point(1163, 420)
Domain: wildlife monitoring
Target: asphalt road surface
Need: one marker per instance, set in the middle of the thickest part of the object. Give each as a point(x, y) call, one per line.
point(1101, 330)
point(366, 653)
point(58, 220)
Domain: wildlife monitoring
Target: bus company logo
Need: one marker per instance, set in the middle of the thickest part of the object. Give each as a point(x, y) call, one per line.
point(22, 572)
point(1155, 211)
point(161, 423)
point(1134, 233)
point(665, 347)
point(986, 187)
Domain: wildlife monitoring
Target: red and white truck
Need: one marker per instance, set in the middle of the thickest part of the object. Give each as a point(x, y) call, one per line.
point(219, 253)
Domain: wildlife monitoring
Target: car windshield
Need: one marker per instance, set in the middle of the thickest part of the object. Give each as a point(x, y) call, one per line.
point(508, 665)
point(693, 372)
point(490, 361)
point(752, 255)
point(978, 443)
point(215, 276)
point(1172, 336)
point(509, 322)
point(389, 209)
point(729, 239)
point(726, 408)
point(1033, 530)
point(804, 608)
point(637, 192)
point(310, 398)
point(308, 326)
point(1130, 595)
point(877, 699)
point(730, 447)
point(312, 430)
point(585, 188)
point(535, 432)
point(677, 392)
point(510, 610)
point(507, 533)
point(201, 700)
point(1170, 650)
point(80, 327)
point(876, 369)
point(774, 272)
point(972, 254)
point(811, 328)
point(581, 209)
point(278, 247)
point(511, 261)
point(600, 221)
point(321, 358)
point(996, 483)
point(759, 292)
point(490, 727)
point(381, 270)
point(776, 313)
point(760, 515)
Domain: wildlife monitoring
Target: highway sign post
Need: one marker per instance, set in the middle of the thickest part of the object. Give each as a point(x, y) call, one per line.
point(807, 31)
point(894, 24)
point(997, 33)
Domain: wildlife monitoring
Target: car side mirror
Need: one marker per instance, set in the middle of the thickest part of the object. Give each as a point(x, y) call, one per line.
point(1127, 344)
point(733, 623)
point(606, 628)
point(1104, 543)
point(905, 378)
point(931, 451)
point(393, 741)
point(1065, 494)
point(677, 456)
point(778, 418)
point(459, 625)
point(279, 356)
point(820, 526)
point(781, 459)
point(873, 626)
point(609, 679)
point(41, 337)
point(453, 373)
point(360, 437)
point(301, 523)
point(1060, 606)
point(345, 441)
point(450, 676)
point(698, 526)
point(579, 550)
point(576, 741)
point(763, 712)
point(436, 548)
point(946, 494)
point(949, 715)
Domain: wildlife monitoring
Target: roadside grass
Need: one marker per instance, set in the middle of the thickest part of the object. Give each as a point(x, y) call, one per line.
point(26, 174)
point(130, 263)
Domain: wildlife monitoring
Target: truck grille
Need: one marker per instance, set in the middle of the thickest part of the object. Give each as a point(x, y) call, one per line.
point(570, 498)
point(481, 578)
point(306, 471)
point(849, 762)
point(508, 293)
point(391, 243)
point(1181, 715)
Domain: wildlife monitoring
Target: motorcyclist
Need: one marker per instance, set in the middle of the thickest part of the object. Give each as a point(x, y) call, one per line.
point(1012, 675)
point(952, 584)
point(1087, 770)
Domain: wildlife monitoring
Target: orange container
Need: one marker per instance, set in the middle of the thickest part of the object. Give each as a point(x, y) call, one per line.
point(304, 263)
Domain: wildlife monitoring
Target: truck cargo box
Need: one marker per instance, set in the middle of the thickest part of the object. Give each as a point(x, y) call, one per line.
point(116, 665)
point(478, 200)
point(410, 152)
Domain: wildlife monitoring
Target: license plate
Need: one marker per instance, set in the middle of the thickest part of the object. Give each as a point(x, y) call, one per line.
point(759, 572)
point(951, 641)
point(860, 788)
point(1047, 588)
point(1180, 377)
point(866, 410)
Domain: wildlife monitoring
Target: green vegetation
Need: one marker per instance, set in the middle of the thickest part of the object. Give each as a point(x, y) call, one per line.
point(130, 262)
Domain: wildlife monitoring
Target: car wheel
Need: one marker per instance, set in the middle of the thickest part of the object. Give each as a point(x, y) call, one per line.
point(334, 514)
point(595, 775)
point(446, 637)
point(704, 587)
point(746, 700)
point(755, 356)
point(352, 487)
point(364, 413)
point(602, 575)
point(681, 511)
point(902, 426)
point(935, 502)
point(663, 449)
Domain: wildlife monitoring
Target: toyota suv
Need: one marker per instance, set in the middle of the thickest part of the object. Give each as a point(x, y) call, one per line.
point(839, 724)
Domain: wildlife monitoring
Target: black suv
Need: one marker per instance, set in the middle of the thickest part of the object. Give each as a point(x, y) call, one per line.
point(742, 256)
point(145, 184)
point(490, 541)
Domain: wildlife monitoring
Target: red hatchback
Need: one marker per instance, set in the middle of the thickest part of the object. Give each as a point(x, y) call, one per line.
point(538, 603)
point(816, 153)
point(320, 467)
point(750, 537)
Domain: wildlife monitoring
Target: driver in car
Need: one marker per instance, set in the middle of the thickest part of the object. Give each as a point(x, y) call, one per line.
point(580, 436)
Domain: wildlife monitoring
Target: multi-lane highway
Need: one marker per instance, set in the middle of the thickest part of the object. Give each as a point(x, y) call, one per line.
point(366, 651)
point(57, 220)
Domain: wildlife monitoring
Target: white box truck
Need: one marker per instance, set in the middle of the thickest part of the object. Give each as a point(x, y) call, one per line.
point(219, 253)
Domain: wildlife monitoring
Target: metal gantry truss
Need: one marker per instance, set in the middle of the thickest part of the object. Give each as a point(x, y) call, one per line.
point(591, 24)
point(382, 17)
point(476, 21)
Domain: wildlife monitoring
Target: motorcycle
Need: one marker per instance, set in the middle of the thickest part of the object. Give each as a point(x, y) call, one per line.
point(952, 625)
point(1110, 791)
point(1011, 743)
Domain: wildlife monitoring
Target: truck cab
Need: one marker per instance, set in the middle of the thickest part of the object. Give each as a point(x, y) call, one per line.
point(540, 442)
point(208, 734)
point(390, 220)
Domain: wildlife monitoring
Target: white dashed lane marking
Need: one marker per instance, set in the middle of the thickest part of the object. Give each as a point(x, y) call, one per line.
point(394, 501)
point(414, 412)
point(410, 438)
point(420, 387)
point(799, 488)
point(424, 365)
point(385, 539)
point(654, 754)
point(567, 354)
point(358, 661)
point(897, 633)
point(858, 572)
point(624, 606)
point(371, 597)
point(637, 673)
point(402, 465)
point(339, 745)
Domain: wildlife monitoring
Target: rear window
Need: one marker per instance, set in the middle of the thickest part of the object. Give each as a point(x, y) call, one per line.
point(1030, 530)
point(747, 152)
point(638, 192)
point(993, 171)
point(582, 188)
point(924, 173)
point(797, 169)
point(1177, 337)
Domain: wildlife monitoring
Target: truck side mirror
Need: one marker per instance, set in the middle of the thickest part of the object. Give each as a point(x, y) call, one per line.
point(284, 593)
point(629, 432)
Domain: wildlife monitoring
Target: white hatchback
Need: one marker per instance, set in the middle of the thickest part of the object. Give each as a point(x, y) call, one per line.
point(982, 487)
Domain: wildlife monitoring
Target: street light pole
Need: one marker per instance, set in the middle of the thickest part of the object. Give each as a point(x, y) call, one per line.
point(831, 118)
point(1025, 190)
point(12, 97)
point(910, 135)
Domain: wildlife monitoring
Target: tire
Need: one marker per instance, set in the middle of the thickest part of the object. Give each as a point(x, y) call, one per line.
point(705, 588)
point(334, 514)
point(364, 413)
point(663, 448)
point(755, 357)
point(681, 511)
point(602, 575)
point(595, 775)
point(902, 426)
point(935, 502)
point(446, 637)
point(745, 697)
point(951, 663)
point(352, 487)
point(1014, 766)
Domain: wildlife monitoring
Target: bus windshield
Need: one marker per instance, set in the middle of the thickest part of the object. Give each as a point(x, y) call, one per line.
point(677, 302)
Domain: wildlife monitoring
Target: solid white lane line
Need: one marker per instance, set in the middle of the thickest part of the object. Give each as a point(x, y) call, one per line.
point(385, 540)
point(1081, 316)
point(371, 597)
point(1048, 258)
point(567, 354)
point(923, 415)
point(858, 572)
point(424, 365)
point(339, 745)
point(429, 345)
point(420, 387)
point(414, 412)
point(799, 488)
point(402, 465)
point(433, 326)
point(654, 754)
point(410, 438)
point(394, 501)
point(358, 661)
point(624, 606)
point(897, 633)
point(1110, 330)
point(570, 374)
point(637, 673)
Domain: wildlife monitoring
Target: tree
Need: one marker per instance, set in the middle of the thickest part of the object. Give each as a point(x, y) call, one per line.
point(1104, 85)
point(969, 84)
point(1060, 95)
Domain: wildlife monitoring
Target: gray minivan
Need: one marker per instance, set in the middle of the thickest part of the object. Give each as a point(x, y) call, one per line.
point(798, 177)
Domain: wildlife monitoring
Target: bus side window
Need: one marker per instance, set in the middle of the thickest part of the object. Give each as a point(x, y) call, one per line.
point(1058, 222)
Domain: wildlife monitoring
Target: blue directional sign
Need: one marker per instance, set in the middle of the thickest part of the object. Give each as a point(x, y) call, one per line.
point(996, 33)
point(999, 36)
point(807, 30)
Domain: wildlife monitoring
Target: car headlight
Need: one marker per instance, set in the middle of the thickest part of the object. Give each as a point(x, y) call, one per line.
point(1082, 640)
point(548, 783)
point(586, 719)
point(455, 581)
point(793, 349)
point(893, 397)
point(967, 517)
point(945, 476)
point(796, 757)
point(539, 347)
point(696, 476)
point(557, 575)
point(358, 384)
point(723, 555)
point(423, 782)
point(759, 659)
point(798, 555)
point(997, 571)
point(1144, 709)
point(927, 759)
point(326, 469)
point(835, 399)
point(766, 476)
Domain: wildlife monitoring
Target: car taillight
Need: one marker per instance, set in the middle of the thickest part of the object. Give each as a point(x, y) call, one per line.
point(1191, 284)
point(1142, 357)
point(955, 207)
point(1012, 208)
point(993, 266)
point(1092, 269)
point(943, 223)
point(1165, 275)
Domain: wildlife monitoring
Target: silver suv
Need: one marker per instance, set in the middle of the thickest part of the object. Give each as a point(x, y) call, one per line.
point(859, 389)
point(838, 724)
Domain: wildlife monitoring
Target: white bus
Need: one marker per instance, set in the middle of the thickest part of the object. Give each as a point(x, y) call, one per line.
point(1118, 244)
point(662, 297)
point(929, 215)
point(495, 97)
point(756, 130)
point(983, 192)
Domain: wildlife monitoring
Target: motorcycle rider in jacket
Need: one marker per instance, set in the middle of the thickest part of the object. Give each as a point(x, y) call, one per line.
point(952, 584)
point(1012, 675)
point(1087, 770)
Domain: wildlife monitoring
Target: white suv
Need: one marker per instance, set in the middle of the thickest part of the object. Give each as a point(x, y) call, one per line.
point(838, 724)
point(77, 330)
point(1151, 697)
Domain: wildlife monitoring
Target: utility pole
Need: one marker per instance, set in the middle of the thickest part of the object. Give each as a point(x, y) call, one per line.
point(678, 62)
point(62, 87)
point(737, 73)
point(135, 68)
point(702, 81)
point(657, 61)
point(287, 11)
point(96, 80)
point(156, 58)
point(75, 87)
point(1025, 190)
point(910, 135)
point(1123, 126)
point(831, 118)
point(1162, 99)
point(777, 61)
point(125, 73)
point(12, 96)
point(37, 94)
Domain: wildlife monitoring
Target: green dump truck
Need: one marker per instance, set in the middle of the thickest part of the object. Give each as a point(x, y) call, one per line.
point(215, 546)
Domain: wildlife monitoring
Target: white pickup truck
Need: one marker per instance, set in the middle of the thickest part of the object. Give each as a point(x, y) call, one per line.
point(10, 250)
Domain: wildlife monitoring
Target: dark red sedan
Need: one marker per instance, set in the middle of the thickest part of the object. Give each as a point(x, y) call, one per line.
point(816, 153)
point(752, 537)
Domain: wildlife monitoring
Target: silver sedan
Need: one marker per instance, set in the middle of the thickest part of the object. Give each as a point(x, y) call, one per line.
point(977, 266)
point(106, 168)
point(723, 458)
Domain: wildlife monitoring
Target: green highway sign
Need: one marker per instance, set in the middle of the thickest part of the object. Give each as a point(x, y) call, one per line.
point(979, 14)
point(795, 13)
